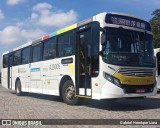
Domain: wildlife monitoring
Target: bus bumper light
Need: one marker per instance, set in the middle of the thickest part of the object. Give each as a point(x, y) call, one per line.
point(111, 79)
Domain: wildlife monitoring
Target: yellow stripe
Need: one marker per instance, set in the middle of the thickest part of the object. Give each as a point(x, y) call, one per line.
point(67, 29)
point(71, 66)
point(132, 80)
point(71, 27)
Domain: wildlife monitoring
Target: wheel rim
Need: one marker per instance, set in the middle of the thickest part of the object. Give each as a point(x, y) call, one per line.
point(17, 89)
point(70, 93)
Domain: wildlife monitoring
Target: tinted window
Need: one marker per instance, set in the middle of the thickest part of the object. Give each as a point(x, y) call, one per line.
point(17, 58)
point(158, 63)
point(10, 60)
point(49, 49)
point(26, 55)
point(5, 61)
point(95, 50)
point(128, 48)
point(65, 45)
point(36, 54)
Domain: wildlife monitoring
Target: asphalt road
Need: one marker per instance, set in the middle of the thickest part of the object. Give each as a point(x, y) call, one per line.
point(37, 106)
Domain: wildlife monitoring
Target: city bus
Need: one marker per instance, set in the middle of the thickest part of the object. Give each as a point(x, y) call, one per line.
point(107, 56)
point(157, 56)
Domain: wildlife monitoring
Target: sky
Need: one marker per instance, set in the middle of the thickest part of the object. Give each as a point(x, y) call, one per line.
point(22, 21)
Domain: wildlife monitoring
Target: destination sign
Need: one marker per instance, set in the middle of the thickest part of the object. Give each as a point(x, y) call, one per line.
point(127, 21)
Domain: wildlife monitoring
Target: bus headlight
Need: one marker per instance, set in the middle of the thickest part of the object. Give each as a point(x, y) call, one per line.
point(116, 81)
point(112, 79)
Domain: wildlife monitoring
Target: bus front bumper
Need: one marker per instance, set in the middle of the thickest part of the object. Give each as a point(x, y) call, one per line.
point(109, 90)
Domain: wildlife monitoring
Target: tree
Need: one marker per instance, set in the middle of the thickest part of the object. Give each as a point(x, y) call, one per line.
point(155, 25)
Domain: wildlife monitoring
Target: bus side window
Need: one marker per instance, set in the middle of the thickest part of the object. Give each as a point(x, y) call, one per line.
point(26, 55)
point(5, 61)
point(36, 53)
point(65, 45)
point(17, 58)
point(49, 49)
point(10, 60)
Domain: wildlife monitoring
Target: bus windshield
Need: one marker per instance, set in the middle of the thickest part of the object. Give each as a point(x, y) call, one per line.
point(128, 48)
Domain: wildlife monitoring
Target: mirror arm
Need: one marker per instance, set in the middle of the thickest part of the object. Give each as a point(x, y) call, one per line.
point(101, 52)
point(102, 30)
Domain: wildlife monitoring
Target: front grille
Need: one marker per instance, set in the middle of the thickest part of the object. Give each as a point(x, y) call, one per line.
point(133, 88)
point(136, 72)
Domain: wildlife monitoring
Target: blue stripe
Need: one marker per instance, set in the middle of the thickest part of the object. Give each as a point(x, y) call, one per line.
point(35, 69)
point(53, 34)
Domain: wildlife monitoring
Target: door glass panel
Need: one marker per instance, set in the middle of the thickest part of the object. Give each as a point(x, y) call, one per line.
point(85, 59)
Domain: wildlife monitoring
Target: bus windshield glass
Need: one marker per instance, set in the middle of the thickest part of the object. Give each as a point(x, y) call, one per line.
point(128, 48)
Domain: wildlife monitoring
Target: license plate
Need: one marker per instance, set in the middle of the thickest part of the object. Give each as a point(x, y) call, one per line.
point(140, 90)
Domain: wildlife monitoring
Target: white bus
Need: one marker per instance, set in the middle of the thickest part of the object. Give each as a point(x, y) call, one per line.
point(109, 55)
point(157, 55)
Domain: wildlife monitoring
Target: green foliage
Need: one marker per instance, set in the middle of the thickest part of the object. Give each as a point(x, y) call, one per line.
point(155, 25)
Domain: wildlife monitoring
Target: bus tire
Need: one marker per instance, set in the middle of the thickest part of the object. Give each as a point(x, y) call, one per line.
point(68, 93)
point(18, 88)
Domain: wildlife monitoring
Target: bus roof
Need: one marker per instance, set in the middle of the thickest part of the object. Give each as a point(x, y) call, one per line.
point(69, 28)
point(53, 34)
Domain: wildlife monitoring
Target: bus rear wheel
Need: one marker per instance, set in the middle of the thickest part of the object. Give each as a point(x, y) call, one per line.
point(68, 93)
point(18, 88)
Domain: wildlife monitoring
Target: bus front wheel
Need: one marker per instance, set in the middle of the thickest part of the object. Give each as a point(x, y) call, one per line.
point(18, 88)
point(68, 93)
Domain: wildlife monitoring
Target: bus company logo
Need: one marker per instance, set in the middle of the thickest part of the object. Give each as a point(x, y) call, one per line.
point(139, 81)
point(149, 81)
point(6, 122)
point(126, 81)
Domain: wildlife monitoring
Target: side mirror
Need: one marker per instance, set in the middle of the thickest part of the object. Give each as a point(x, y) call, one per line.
point(103, 36)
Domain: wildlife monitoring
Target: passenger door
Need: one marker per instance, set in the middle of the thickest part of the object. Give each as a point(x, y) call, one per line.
point(84, 41)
